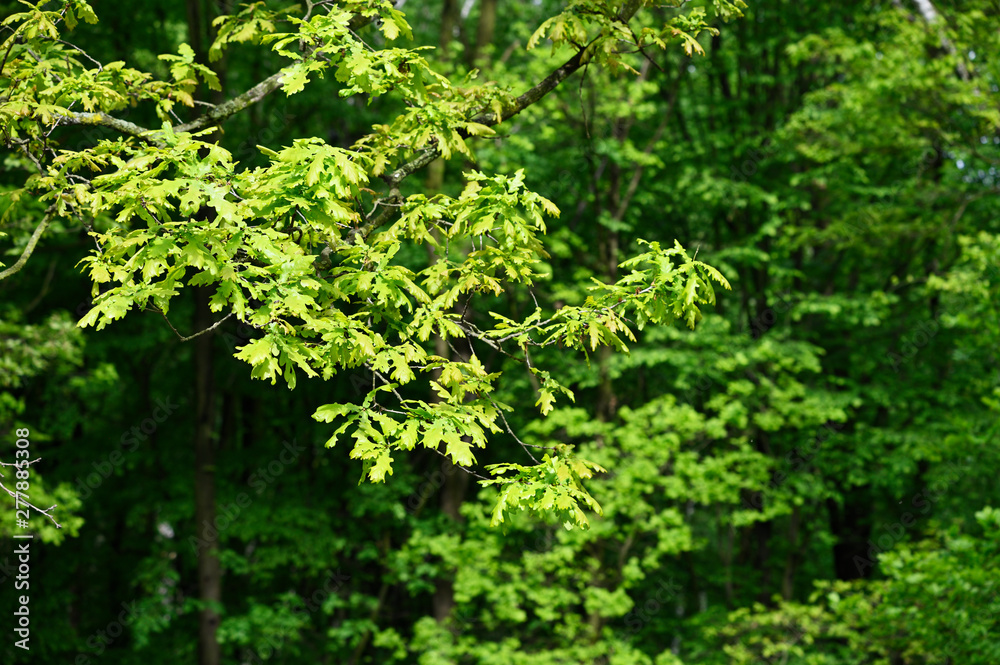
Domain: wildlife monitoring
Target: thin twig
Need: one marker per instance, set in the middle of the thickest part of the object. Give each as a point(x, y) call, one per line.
point(463, 468)
point(85, 54)
point(385, 381)
point(197, 334)
point(20, 498)
point(28, 249)
point(511, 432)
point(20, 464)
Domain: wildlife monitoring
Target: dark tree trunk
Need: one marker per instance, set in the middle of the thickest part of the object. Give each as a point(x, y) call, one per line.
point(485, 30)
point(209, 569)
point(851, 526)
point(795, 548)
point(450, 17)
point(200, 34)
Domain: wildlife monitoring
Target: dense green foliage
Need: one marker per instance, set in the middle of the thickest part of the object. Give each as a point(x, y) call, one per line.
point(658, 333)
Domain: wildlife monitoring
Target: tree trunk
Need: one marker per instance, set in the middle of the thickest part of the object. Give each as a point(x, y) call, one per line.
point(852, 528)
point(450, 17)
point(485, 30)
point(607, 249)
point(209, 568)
point(454, 480)
point(200, 32)
point(791, 562)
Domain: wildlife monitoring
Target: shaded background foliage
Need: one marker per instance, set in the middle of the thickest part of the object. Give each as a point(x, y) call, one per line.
point(806, 478)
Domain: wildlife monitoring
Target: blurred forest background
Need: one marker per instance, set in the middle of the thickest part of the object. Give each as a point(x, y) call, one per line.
point(808, 477)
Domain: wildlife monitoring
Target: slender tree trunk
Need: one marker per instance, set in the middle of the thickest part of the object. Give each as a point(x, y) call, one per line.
point(450, 16)
point(205, 439)
point(727, 536)
point(762, 532)
point(384, 547)
point(791, 562)
point(454, 484)
point(852, 527)
point(195, 24)
point(485, 30)
point(454, 480)
point(209, 568)
point(607, 249)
